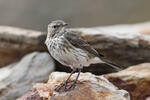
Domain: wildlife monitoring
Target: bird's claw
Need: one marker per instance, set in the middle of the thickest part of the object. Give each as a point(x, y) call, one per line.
point(72, 86)
point(61, 86)
point(64, 86)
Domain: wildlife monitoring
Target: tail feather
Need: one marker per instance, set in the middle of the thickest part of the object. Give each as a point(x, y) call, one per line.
point(115, 66)
point(106, 61)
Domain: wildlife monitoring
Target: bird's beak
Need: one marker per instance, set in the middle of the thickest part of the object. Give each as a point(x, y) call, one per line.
point(65, 24)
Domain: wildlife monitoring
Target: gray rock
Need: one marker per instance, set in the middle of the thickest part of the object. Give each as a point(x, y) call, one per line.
point(18, 78)
point(16, 42)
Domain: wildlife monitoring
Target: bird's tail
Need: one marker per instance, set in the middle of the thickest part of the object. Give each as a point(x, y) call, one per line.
point(115, 66)
point(106, 61)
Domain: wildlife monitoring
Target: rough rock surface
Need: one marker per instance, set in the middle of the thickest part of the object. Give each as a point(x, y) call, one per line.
point(128, 43)
point(89, 87)
point(135, 79)
point(16, 42)
point(18, 78)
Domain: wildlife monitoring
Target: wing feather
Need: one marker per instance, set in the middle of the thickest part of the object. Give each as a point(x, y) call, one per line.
point(78, 42)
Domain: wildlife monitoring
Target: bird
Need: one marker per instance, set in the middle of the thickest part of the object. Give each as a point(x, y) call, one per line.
point(67, 47)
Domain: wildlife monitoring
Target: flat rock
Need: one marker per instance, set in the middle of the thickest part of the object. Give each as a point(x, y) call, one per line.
point(18, 78)
point(16, 42)
point(135, 79)
point(89, 87)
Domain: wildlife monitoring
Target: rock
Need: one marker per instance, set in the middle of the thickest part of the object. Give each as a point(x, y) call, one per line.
point(89, 87)
point(124, 44)
point(16, 42)
point(135, 79)
point(18, 78)
point(31, 95)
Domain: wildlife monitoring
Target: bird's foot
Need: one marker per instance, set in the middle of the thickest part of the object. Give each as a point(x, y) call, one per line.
point(62, 87)
point(65, 86)
point(58, 87)
point(72, 85)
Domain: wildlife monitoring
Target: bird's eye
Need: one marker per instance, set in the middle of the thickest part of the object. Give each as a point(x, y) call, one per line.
point(55, 26)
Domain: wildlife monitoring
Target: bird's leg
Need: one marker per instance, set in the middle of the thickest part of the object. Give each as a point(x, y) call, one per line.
point(74, 83)
point(70, 75)
point(64, 84)
point(69, 78)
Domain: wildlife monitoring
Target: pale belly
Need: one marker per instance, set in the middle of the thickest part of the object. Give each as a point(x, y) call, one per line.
point(74, 57)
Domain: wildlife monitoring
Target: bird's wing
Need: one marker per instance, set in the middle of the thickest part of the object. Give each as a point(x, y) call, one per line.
point(78, 42)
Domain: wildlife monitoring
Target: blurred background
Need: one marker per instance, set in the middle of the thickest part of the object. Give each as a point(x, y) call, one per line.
point(36, 14)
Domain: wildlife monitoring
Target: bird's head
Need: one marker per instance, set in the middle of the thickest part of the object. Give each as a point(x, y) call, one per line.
point(56, 27)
